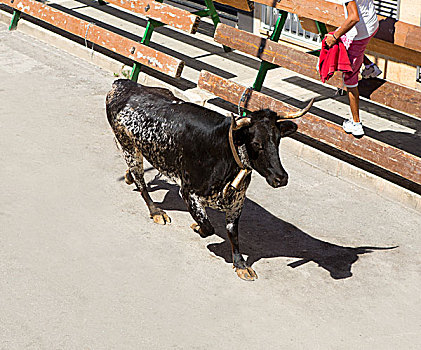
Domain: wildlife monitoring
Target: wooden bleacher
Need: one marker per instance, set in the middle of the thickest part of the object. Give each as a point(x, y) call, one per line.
point(99, 36)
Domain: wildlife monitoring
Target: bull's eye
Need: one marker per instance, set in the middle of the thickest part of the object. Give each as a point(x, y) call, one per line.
point(257, 146)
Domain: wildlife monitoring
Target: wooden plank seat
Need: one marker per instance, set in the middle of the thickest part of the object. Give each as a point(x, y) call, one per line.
point(387, 93)
point(245, 5)
point(371, 150)
point(395, 39)
point(170, 15)
point(100, 36)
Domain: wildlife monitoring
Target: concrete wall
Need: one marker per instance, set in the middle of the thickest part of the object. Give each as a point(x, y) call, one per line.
point(410, 12)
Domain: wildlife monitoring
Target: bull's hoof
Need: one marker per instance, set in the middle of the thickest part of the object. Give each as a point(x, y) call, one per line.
point(196, 228)
point(246, 274)
point(128, 177)
point(161, 218)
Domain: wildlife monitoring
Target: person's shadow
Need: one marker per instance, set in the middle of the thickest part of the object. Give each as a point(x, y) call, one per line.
point(263, 235)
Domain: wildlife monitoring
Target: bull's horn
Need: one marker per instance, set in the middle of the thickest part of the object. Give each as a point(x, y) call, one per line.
point(238, 123)
point(298, 114)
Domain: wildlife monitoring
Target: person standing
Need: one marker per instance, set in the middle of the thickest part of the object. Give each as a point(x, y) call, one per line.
point(355, 32)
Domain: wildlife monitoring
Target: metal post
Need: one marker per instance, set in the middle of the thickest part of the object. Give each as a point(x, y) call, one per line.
point(15, 20)
point(215, 18)
point(145, 41)
point(202, 13)
point(151, 25)
point(279, 26)
point(321, 27)
point(265, 66)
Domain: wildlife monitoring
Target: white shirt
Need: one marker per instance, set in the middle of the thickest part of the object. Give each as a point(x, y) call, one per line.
point(368, 23)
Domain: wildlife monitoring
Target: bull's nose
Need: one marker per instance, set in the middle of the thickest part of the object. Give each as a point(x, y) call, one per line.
point(279, 181)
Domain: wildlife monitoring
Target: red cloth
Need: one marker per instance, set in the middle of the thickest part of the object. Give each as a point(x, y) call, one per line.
point(333, 59)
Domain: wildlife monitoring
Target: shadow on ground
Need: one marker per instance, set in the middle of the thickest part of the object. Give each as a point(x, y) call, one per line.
point(263, 235)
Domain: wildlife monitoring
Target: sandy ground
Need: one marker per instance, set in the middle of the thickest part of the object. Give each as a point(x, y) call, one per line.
point(83, 267)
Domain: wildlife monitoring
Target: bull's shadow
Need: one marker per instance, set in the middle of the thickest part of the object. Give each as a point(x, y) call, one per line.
point(263, 235)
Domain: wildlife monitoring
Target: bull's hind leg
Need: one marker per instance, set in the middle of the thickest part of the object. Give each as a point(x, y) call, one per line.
point(135, 174)
point(243, 271)
point(202, 226)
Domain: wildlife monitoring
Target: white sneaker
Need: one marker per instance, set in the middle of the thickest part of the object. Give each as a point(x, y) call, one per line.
point(371, 72)
point(351, 127)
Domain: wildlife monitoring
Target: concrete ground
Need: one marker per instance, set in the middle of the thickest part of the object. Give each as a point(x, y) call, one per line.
point(83, 267)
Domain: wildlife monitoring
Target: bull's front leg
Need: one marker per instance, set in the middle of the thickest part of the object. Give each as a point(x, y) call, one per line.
point(243, 271)
point(202, 226)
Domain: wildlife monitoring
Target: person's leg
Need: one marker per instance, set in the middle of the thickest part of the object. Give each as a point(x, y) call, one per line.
point(371, 70)
point(354, 102)
point(354, 125)
point(356, 57)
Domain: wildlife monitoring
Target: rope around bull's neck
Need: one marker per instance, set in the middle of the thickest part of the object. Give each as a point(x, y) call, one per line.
point(244, 162)
point(246, 93)
point(231, 142)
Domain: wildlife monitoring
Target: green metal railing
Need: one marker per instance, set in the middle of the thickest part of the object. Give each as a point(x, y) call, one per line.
point(266, 66)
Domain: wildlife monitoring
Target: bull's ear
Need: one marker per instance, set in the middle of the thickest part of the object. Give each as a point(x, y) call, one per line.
point(287, 128)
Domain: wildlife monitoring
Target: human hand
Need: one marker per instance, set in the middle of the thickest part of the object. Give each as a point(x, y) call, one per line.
point(330, 40)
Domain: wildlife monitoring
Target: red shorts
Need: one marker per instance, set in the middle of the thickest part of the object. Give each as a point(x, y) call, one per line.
point(355, 50)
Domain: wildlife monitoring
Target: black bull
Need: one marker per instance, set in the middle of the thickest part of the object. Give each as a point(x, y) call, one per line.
point(189, 144)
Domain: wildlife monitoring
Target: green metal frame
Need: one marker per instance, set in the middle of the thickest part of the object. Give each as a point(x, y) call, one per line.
point(15, 20)
point(151, 25)
point(210, 11)
point(266, 66)
point(321, 27)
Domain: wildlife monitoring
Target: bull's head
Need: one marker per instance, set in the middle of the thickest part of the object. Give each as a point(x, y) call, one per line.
point(261, 133)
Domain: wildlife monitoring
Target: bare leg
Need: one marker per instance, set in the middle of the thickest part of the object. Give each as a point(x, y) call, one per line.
point(203, 227)
point(354, 102)
point(243, 271)
point(135, 173)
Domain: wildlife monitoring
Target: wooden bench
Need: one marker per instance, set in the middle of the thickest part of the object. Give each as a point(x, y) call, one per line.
point(244, 5)
point(99, 36)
